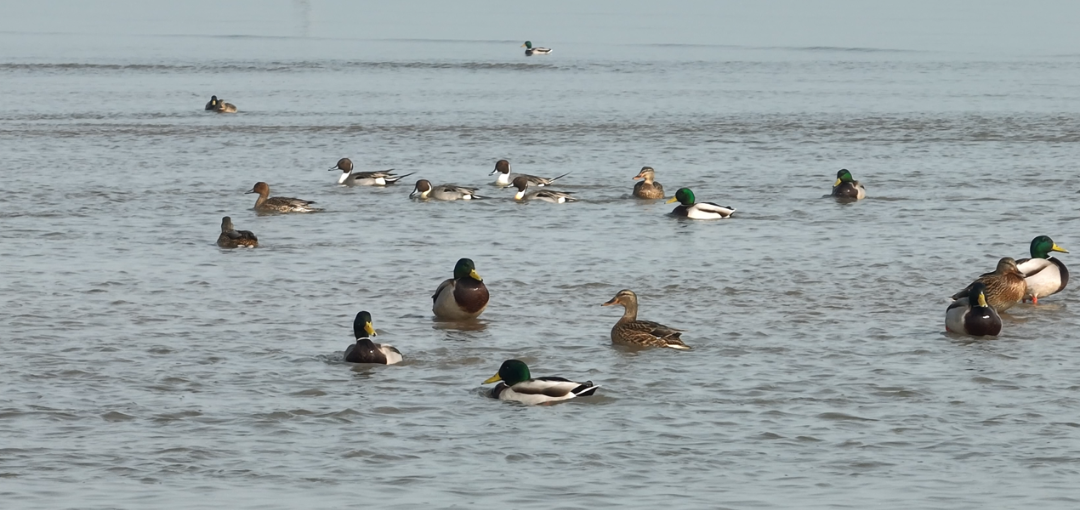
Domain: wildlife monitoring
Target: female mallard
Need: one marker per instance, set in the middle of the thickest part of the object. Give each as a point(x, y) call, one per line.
point(647, 188)
point(447, 192)
point(462, 297)
point(519, 386)
point(224, 107)
point(1004, 287)
point(266, 203)
point(971, 315)
point(366, 351)
point(847, 187)
point(232, 238)
point(630, 331)
point(379, 178)
point(530, 51)
point(522, 183)
point(1045, 275)
point(698, 210)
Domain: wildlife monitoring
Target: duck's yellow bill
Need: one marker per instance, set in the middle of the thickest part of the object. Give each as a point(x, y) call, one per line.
point(494, 378)
point(369, 328)
point(475, 276)
point(837, 183)
point(982, 299)
point(673, 199)
point(1058, 248)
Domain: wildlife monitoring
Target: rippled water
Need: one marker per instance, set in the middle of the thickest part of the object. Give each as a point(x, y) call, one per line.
point(143, 367)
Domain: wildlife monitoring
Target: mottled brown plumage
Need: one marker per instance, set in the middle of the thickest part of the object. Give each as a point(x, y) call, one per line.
point(647, 188)
point(266, 203)
point(1004, 287)
point(630, 331)
point(232, 238)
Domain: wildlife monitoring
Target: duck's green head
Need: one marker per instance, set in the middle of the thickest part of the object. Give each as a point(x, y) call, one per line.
point(466, 269)
point(1042, 246)
point(511, 372)
point(843, 176)
point(977, 294)
point(684, 196)
point(362, 327)
point(528, 44)
point(213, 100)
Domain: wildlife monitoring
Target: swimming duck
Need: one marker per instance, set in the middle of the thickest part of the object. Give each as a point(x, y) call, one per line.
point(224, 107)
point(846, 187)
point(1004, 287)
point(694, 210)
point(630, 331)
point(518, 386)
point(232, 238)
point(556, 197)
point(279, 204)
point(971, 315)
point(502, 167)
point(213, 104)
point(366, 351)
point(462, 297)
point(425, 190)
point(350, 178)
point(647, 188)
point(1045, 275)
point(530, 51)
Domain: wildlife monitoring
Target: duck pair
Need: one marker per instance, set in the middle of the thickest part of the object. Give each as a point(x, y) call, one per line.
point(219, 106)
point(976, 308)
point(522, 182)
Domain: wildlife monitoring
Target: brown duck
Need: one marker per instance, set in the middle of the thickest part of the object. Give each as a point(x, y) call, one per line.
point(647, 188)
point(232, 238)
point(1004, 287)
point(630, 331)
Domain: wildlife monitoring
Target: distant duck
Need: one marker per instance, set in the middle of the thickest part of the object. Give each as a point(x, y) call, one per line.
point(224, 107)
point(971, 315)
point(213, 104)
point(690, 208)
point(521, 182)
point(517, 385)
point(462, 297)
point(366, 351)
point(502, 167)
point(530, 51)
point(232, 238)
point(630, 331)
point(447, 192)
point(1003, 288)
point(350, 178)
point(846, 187)
point(1045, 275)
point(647, 188)
point(279, 204)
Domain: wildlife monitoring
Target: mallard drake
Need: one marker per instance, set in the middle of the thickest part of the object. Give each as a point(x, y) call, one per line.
point(530, 51)
point(971, 315)
point(366, 351)
point(502, 167)
point(846, 187)
point(265, 203)
point(232, 238)
point(1045, 275)
point(630, 331)
point(1004, 287)
point(518, 385)
point(694, 210)
point(212, 104)
point(522, 183)
point(379, 178)
point(462, 297)
point(448, 192)
point(647, 188)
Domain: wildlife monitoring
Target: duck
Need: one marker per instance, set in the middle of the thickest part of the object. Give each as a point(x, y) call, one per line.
point(694, 210)
point(517, 385)
point(224, 107)
point(530, 51)
point(212, 104)
point(448, 192)
point(232, 238)
point(379, 178)
point(1045, 275)
point(846, 187)
point(556, 197)
point(630, 331)
point(1003, 288)
point(647, 188)
point(366, 351)
point(971, 315)
point(462, 297)
point(502, 167)
point(279, 204)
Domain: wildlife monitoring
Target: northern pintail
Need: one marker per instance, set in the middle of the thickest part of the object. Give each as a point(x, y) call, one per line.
point(350, 178)
point(265, 203)
point(505, 178)
point(232, 238)
point(425, 190)
point(522, 183)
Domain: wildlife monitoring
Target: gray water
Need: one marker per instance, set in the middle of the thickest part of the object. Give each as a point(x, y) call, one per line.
point(143, 367)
